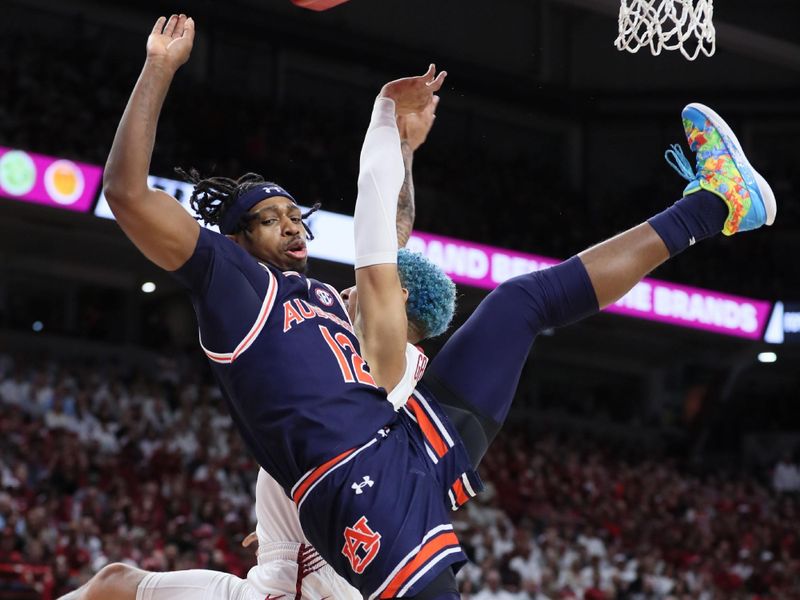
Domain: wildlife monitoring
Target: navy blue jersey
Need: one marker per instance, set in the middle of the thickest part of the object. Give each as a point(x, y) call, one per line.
point(284, 353)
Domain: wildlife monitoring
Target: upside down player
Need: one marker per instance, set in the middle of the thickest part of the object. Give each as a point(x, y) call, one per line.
point(303, 398)
point(288, 566)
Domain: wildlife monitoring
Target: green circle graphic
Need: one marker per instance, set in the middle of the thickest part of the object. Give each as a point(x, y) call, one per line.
point(17, 173)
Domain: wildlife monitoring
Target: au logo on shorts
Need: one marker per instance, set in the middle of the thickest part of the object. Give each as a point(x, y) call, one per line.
point(361, 545)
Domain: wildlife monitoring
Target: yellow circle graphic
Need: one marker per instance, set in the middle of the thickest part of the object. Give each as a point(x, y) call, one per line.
point(63, 181)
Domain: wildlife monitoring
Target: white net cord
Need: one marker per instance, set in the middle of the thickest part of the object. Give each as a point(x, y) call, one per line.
point(684, 25)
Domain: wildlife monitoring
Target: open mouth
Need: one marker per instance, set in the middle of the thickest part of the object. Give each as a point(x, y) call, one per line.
point(297, 249)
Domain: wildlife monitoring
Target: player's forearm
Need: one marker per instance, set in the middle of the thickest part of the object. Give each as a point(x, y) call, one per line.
point(128, 163)
point(381, 304)
point(406, 210)
point(379, 181)
point(382, 327)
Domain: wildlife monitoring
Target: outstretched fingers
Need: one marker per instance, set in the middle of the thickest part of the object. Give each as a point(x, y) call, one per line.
point(437, 83)
point(171, 24)
point(159, 26)
point(188, 30)
point(181, 27)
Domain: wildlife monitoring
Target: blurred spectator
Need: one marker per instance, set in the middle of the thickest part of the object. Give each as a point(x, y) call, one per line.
point(101, 464)
point(786, 476)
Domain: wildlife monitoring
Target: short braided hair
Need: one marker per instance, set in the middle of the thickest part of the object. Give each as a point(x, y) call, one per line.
point(213, 195)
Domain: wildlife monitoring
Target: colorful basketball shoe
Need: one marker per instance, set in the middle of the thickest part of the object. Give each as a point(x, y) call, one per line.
point(723, 169)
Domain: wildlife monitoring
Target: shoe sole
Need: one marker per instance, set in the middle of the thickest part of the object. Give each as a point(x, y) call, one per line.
point(728, 137)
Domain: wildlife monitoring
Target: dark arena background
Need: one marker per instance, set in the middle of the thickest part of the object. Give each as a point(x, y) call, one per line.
point(653, 450)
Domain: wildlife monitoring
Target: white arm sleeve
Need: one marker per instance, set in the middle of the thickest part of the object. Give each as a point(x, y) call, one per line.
point(380, 178)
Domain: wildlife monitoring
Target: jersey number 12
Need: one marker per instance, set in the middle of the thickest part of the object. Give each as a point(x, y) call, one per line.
point(353, 370)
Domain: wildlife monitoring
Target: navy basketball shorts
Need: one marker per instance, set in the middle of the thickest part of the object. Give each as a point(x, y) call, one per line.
point(379, 513)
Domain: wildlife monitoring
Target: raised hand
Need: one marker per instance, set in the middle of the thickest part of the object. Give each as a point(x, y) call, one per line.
point(171, 41)
point(414, 94)
point(414, 127)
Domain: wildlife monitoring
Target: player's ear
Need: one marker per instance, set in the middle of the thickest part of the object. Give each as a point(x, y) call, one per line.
point(405, 294)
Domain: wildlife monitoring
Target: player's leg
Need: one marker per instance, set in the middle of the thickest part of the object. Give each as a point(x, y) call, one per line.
point(117, 581)
point(476, 373)
point(195, 584)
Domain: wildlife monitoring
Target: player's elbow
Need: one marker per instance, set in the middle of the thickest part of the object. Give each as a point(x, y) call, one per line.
point(116, 193)
point(119, 189)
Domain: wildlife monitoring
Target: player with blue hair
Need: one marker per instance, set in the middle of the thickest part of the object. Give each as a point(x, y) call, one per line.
point(465, 395)
point(373, 480)
point(431, 293)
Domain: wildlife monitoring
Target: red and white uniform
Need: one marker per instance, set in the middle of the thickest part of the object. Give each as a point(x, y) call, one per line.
point(288, 566)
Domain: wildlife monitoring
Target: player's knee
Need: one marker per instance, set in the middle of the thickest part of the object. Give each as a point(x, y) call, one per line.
point(520, 285)
point(524, 293)
point(116, 581)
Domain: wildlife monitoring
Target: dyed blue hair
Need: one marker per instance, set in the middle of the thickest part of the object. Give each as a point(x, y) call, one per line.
point(431, 294)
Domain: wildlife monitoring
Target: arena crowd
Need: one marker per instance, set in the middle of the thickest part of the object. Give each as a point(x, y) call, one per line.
point(103, 463)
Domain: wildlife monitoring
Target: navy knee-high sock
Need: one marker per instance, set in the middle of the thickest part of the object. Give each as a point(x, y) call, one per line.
point(691, 219)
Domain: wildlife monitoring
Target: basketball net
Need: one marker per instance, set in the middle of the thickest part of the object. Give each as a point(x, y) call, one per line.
point(684, 25)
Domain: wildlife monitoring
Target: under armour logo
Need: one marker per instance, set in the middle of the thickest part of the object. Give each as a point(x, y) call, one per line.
point(273, 189)
point(384, 433)
point(692, 241)
point(359, 487)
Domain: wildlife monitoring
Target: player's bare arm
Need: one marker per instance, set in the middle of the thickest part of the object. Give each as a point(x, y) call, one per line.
point(414, 129)
point(406, 209)
point(153, 220)
point(381, 319)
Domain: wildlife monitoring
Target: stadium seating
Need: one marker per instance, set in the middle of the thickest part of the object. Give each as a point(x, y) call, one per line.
point(101, 464)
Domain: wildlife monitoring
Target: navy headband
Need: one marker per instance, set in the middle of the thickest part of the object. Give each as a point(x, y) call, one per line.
point(231, 220)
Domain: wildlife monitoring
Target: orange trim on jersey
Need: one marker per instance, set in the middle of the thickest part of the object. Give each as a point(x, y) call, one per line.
point(428, 428)
point(261, 320)
point(273, 291)
point(428, 551)
point(314, 475)
point(461, 495)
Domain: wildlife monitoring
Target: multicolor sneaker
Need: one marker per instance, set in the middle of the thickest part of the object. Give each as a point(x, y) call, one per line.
point(723, 169)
